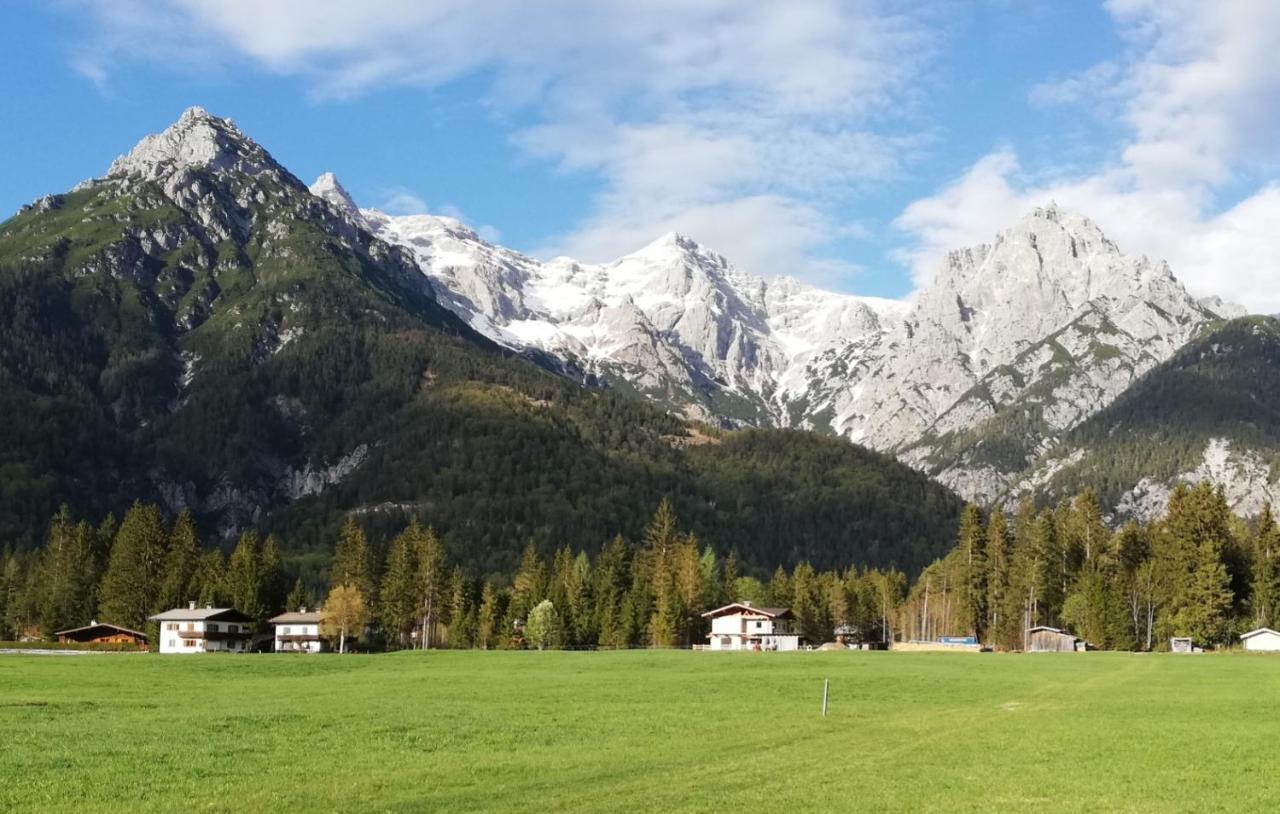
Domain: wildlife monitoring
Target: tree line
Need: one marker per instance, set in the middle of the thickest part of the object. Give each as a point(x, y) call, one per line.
point(407, 593)
point(1197, 571)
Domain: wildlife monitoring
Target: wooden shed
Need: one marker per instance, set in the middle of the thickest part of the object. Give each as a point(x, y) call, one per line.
point(102, 633)
point(1044, 639)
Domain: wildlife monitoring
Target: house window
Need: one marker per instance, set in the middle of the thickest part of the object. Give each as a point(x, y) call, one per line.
point(188, 642)
point(213, 628)
point(171, 626)
point(286, 631)
point(173, 642)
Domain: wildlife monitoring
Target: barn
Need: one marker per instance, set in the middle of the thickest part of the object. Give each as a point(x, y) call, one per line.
point(102, 633)
point(1264, 639)
point(1043, 639)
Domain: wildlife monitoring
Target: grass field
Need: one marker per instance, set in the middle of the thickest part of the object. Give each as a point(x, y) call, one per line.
point(640, 731)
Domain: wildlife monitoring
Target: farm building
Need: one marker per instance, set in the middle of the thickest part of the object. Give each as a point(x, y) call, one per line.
point(1262, 639)
point(102, 633)
point(742, 626)
point(1043, 639)
point(297, 632)
point(203, 630)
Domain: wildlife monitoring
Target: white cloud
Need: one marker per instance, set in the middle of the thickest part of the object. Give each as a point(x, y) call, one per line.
point(732, 121)
point(1200, 96)
point(402, 202)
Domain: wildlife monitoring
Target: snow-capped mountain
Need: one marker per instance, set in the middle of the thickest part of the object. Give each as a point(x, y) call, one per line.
point(1010, 345)
point(674, 320)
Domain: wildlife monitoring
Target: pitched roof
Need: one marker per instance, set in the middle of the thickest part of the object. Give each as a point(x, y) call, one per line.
point(96, 625)
point(747, 607)
point(201, 615)
point(297, 618)
point(1259, 632)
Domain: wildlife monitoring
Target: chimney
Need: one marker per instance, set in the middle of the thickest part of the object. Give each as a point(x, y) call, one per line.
point(93, 623)
point(747, 603)
point(303, 609)
point(191, 605)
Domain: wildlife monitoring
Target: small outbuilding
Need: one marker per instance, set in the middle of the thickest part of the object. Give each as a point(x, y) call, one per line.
point(102, 633)
point(1044, 639)
point(1264, 639)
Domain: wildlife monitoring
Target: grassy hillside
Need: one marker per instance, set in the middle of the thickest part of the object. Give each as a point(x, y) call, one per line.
point(231, 344)
point(639, 731)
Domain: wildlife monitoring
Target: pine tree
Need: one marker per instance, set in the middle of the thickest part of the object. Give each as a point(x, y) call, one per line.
point(612, 582)
point(1203, 615)
point(433, 582)
point(972, 543)
point(999, 554)
point(131, 585)
point(398, 602)
point(351, 561)
point(66, 575)
point(244, 576)
point(181, 562)
point(209, 583)
point(460, 632)
point(487, 618)
point(1265, 583)
point(297, 599)
point(274, 582)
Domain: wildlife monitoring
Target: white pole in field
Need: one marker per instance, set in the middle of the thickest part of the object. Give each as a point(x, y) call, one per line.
point(826, 686)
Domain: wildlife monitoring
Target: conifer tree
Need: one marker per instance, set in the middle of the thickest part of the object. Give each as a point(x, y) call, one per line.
point(244, 576)
point(612, 582)
point(209, 584)
point(487, 618)
point(66, 574)
point(999, 553)
point(433, 582)
point(131, 584)
point(351, 559)
point(972, 544)
point(274, 582)
point(297, 599)
point(460, 632)
point(398, 605)
point(181, 562)
point(1265, 582)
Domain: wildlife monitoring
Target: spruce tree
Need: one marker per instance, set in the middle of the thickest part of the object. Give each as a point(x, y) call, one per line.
point(351, 560)
point(999, 553)
point(181, 562)
point(432, 582)
point(244, 576)
point(487, 618)
point(131, 585)
point(1265, 582)
point(272, 577)
point(297, 599)
point(398, 601)
point(972, 543)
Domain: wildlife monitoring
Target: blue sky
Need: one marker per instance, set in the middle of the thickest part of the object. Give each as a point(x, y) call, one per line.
point(847, 143)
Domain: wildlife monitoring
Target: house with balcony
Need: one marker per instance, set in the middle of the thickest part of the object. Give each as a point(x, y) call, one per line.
point(298, 632)
point(204, 630)
point(743, 626)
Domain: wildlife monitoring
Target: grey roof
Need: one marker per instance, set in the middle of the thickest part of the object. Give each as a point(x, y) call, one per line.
point(200, 615)
point(297, 618)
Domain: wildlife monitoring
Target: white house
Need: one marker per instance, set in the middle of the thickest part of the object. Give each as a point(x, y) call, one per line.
point(1262, 639)
point(298, 632)
point(203, 630)
point(742, 626)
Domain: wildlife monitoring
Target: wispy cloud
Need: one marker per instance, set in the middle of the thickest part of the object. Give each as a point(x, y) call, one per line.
point(1199, 96)
point(747, 124)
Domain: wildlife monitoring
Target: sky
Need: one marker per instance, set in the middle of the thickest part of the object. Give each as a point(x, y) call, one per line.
point(849, 143)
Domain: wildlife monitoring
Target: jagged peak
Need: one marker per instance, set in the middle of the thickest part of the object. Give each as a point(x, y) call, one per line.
point(197, 139)
point(330, 189)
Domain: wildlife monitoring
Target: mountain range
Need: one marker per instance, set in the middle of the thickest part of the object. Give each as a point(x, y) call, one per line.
point(200, 327)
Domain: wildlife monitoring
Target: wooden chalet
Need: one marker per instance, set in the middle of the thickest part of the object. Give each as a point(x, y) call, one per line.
point(103, 633)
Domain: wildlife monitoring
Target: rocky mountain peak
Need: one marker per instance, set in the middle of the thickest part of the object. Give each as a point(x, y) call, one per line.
point(328, 188)
point(196, 140)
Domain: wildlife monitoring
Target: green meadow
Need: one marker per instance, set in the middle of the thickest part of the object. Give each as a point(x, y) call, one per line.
point(640, 731)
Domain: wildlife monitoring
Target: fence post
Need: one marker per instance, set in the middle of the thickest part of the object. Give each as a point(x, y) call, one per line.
point(826, 686)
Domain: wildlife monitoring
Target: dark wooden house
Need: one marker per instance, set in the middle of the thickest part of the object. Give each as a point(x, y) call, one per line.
point(102, 633)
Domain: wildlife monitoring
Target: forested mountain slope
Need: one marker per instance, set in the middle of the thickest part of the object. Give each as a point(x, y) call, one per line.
point(1210, 413)
point(197, 328)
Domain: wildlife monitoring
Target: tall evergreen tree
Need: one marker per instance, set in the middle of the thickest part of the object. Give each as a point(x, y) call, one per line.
point(181, 563)
point(433, 583)
point(972, 544)
point(244, 576)
point(999, 554)
point(131, 585)
point(398, 601)
point(274, 581)
point(351, 559)
point(1264, 586)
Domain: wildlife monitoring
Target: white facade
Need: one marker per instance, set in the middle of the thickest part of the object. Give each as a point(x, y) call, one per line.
point(203, 630)
point(1264, 639)
point(741, 626)
point(297, 632)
